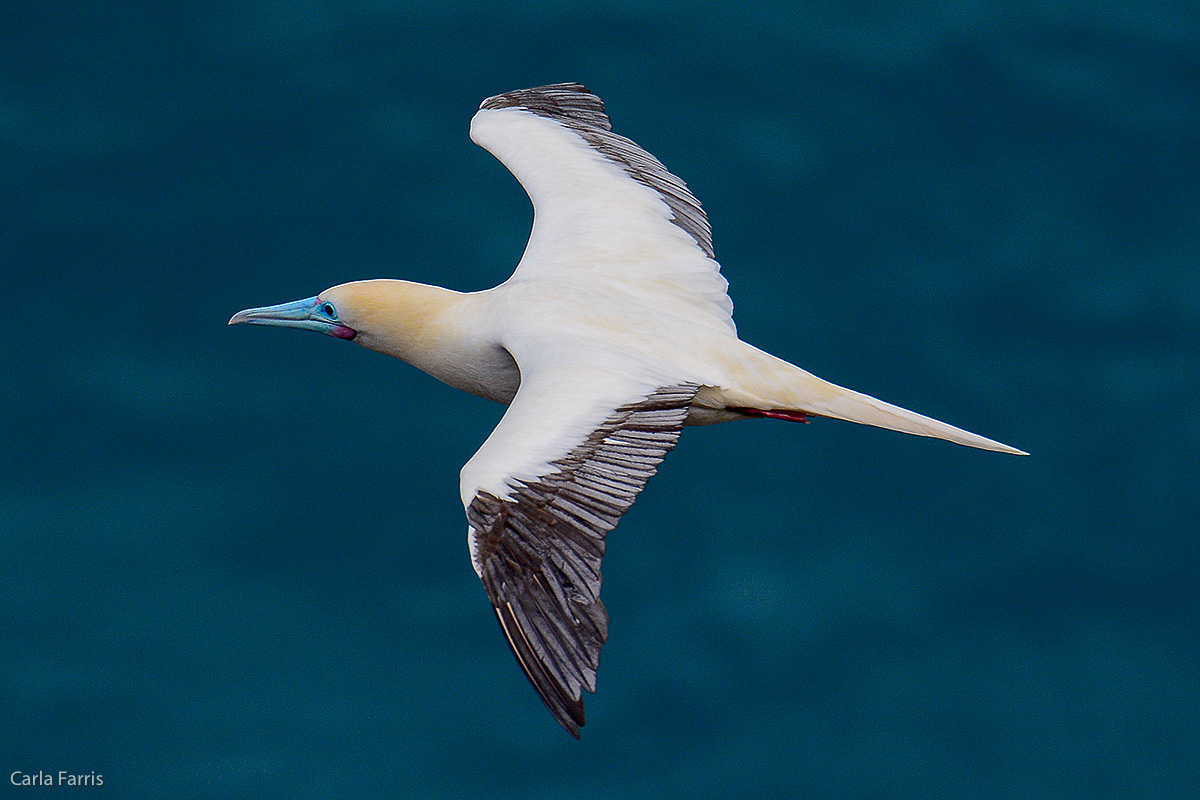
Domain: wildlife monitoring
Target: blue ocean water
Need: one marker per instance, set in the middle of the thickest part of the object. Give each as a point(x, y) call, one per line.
point(233, 561)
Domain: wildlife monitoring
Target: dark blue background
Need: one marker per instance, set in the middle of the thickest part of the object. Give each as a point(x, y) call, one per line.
point(233, 561)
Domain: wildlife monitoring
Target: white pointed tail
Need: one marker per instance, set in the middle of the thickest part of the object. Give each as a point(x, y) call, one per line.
point(775, 383)
point(854, 406)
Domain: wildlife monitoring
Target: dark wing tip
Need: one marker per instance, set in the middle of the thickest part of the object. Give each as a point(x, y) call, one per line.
point(566, 102)
point(566, 709)
point(549, 93)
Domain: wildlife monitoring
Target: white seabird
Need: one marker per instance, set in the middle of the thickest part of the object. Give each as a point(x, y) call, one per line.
point(613, 333)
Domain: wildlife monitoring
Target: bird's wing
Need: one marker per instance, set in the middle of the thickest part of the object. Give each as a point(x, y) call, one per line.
point(607, 214)
point(566, 461)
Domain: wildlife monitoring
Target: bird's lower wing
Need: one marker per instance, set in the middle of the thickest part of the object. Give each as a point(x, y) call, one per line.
point(563, 465)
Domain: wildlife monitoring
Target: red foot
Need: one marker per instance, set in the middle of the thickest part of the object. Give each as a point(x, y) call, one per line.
point(774, 413)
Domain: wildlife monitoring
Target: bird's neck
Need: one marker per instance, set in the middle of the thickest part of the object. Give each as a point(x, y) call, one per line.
point(439, 331)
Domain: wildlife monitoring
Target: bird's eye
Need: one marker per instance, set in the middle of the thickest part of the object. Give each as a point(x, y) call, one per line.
point(329, 310)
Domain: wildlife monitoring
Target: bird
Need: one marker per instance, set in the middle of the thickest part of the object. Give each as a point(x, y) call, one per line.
point(614, 332)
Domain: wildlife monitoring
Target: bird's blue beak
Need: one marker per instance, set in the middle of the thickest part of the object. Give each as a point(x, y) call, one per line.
point(311, 313)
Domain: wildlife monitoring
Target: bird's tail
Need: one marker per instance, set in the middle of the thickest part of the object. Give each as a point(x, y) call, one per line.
point(793, 393)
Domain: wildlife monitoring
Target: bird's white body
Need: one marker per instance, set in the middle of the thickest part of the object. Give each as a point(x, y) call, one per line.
point(600, 347)
point(613, 332)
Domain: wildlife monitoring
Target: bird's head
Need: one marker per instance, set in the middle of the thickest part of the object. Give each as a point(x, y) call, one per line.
point(331, 312)
point(393, 317)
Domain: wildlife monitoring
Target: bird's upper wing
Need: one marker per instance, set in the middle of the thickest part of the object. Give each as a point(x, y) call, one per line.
point(566, 461)
point(606, 213)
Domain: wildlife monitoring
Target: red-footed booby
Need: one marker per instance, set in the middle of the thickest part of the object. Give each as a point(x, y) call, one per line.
point(613, 333)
